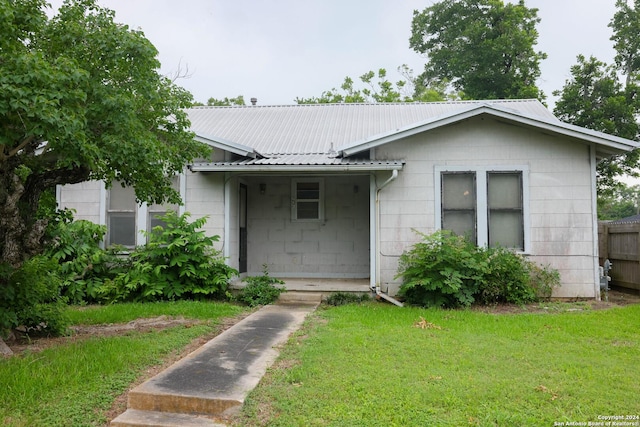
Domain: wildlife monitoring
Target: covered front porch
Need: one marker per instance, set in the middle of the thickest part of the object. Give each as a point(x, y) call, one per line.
point(314, 226)
point(311, 231)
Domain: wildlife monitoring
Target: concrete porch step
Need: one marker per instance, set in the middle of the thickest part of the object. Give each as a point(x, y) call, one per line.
point(292, 297)
point(137, 418)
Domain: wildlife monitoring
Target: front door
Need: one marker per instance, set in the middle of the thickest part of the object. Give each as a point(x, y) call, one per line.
point(242, 262)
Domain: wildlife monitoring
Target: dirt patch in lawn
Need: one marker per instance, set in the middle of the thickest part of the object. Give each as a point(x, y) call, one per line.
point(613, 298)
point(20, 343)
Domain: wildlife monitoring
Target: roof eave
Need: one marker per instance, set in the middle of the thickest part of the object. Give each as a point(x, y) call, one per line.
point(610, 144)
point(232, 147)
point(208, 167)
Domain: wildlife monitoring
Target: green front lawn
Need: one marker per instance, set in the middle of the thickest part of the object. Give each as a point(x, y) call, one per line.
point(76, 382)
point(366, 365)
point(370, 365)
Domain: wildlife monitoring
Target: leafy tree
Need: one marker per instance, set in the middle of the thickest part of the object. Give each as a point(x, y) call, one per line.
point(80, 99)
point(226, 102)
point(483, 47)
point(595, 98)
point(605, 97)
point(620, 202)
point(377, 88)
point(626, 27)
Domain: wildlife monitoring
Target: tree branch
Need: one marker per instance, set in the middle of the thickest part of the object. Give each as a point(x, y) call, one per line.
point(25, 142)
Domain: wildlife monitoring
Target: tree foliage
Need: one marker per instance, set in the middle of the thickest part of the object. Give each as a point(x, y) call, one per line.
point(485, 48)
point(225, 102)
point(605, 97)
point(81, 98)
point(595, 98)
point(378, 88)
point(620, 202)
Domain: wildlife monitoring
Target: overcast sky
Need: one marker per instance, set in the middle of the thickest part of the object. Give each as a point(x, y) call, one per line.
point(277, 50)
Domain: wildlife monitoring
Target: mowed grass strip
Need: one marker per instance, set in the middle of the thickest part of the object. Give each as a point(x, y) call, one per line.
point(372, 365)
point(75, 384)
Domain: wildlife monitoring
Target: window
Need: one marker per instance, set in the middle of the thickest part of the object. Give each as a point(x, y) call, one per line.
point(121, 216)
point(459, 203)
point(504, 205)
point(486, 205)
point(307, 200)
point(125, 218)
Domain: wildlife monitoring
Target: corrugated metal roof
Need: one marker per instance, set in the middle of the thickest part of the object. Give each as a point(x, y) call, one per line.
point(304, 161)
point(316, 128)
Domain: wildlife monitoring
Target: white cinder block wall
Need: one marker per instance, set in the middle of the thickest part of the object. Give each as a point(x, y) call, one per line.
point(337, 247)
point(205, 197)
point(561, 210)
point(83, 198)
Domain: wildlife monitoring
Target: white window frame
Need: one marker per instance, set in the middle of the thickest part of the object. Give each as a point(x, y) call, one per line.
point(482, 219)
point(294, 199)
point(110, 212)
point(141, 212)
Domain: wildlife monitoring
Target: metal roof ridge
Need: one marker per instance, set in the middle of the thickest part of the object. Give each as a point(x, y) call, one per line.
point(371, 104)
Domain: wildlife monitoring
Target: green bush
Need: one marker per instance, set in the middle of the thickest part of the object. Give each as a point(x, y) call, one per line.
point(32, 298)
point(180, 261)
point(83, 264)
point(260, 290)
point(445, 270)
point(344, 298)
point(543, 279)
point(506, 278)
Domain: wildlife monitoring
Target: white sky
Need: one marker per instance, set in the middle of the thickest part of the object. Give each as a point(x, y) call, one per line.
point(277, 50)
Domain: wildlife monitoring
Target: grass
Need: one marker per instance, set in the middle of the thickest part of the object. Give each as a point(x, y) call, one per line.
point(369, 365)
point(74, 384)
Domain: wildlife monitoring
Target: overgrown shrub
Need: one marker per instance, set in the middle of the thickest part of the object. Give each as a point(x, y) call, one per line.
point(83, 264)
point(445, 270)
point(543, 279)
point(344, 298)
point(180, 261)
point(506, 278)
point(260, 290)
point(32, 298)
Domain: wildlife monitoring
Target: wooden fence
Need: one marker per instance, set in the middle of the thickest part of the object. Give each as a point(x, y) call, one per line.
point(620, 243)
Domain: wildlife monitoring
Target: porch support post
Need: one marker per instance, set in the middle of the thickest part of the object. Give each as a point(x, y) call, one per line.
point(373, 233)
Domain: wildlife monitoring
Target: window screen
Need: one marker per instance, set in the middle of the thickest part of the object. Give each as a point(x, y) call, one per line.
point(121, 216)
point(505, 213)
point(459, 203)
point(122, 228)
point(307, 200)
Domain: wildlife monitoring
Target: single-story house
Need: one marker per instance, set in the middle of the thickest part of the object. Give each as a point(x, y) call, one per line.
point(332, 194)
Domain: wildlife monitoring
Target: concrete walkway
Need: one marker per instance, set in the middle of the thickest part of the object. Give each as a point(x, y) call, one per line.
point(212, 382)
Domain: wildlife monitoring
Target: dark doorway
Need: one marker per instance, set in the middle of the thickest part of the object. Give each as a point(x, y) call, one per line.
point(242, 262)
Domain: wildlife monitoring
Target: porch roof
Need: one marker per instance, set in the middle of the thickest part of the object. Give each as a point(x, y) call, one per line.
point(298, 163)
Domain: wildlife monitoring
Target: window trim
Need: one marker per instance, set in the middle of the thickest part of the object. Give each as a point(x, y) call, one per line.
point(141, 212)
point(294, 199)
point(482, 212)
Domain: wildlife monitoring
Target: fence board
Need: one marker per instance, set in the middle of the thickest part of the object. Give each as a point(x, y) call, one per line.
point(620, 243)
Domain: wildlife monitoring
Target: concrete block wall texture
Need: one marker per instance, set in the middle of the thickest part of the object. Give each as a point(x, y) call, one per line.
point(84, 198)
point(337, 247)
point(560, 183)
